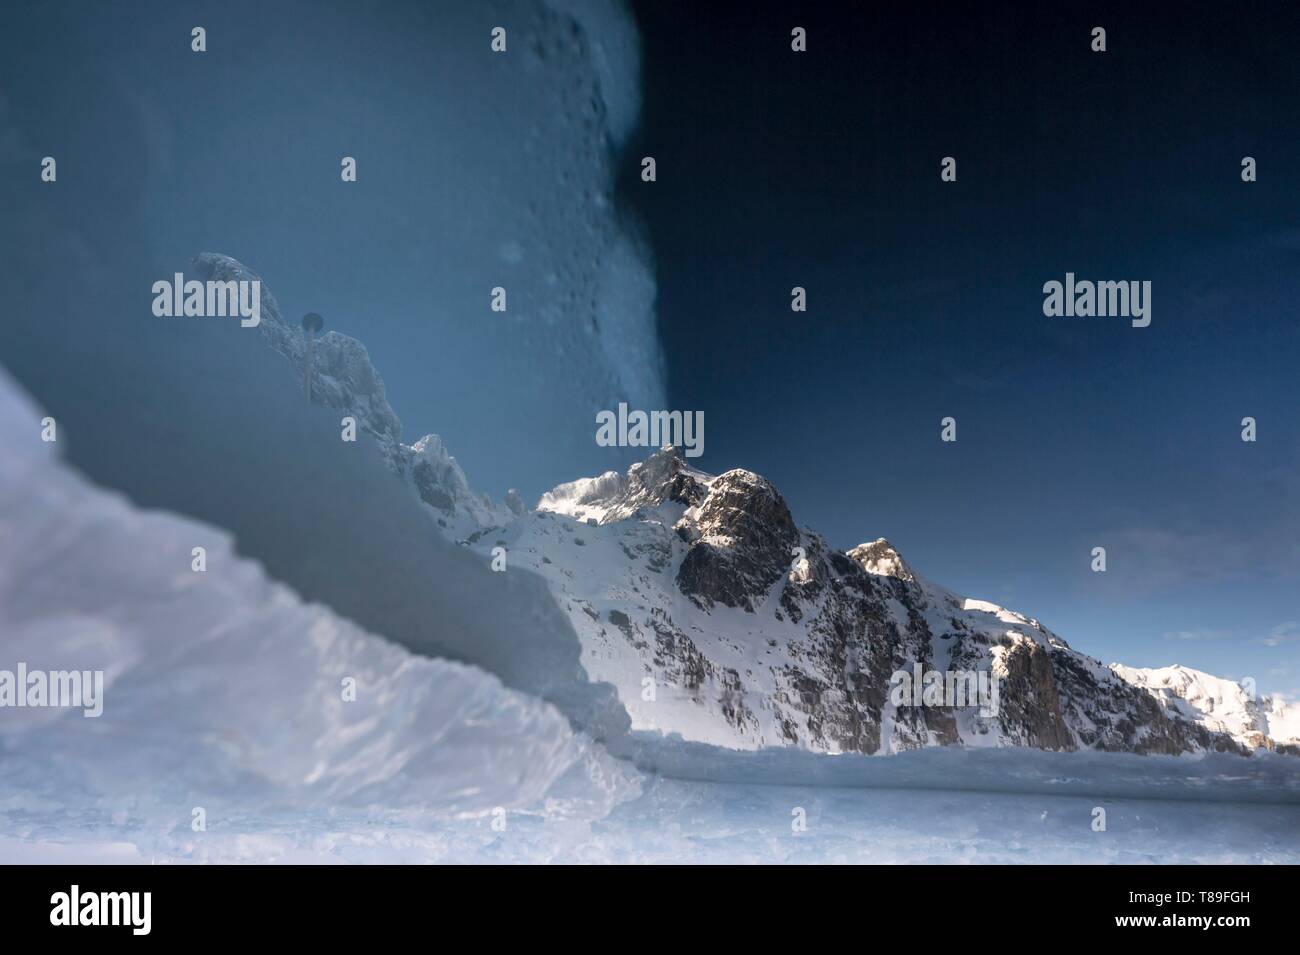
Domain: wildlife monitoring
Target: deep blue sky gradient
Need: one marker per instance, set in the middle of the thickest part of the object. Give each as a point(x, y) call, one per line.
point(821, 169)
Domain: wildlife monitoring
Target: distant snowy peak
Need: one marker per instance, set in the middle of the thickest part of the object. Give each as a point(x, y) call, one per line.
point(441, 484)
point(879, 557)
point(1219, 705)
point(662, 478)
point(586, 498)
point(449, 479)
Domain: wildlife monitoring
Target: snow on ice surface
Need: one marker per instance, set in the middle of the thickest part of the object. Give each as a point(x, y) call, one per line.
point(679, 822)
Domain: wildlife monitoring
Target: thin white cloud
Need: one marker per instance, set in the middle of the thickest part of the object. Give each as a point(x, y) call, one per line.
point(1198, 635)
point(1283, 633)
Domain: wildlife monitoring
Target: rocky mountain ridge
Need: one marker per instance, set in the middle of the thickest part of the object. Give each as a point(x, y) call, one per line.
point(718, 619)
point(756, 632)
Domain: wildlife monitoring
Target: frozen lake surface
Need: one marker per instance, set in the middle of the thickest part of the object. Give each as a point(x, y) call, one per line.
point(687, 822)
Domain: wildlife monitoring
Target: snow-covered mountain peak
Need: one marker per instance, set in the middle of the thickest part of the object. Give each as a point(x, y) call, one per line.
point(1218, 704)
point(586, 498)
point(757, 633)
point(662, 478)
point(1188, 683)
point(441, 483)
point(448, 478)
point(742, 541)
point(880, 557)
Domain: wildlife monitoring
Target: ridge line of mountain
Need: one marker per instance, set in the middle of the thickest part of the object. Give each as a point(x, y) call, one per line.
point(717, 618)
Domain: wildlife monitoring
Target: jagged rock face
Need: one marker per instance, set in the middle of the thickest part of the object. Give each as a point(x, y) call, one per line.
point(879, 557)
point(838, 679)
point(439, 481)
point(742, 538)
point(1031, 704)
point(438, 478)
point(662, 478)
point(754, 632)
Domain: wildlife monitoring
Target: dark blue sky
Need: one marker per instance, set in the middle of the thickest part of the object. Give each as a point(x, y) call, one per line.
point(821, 169)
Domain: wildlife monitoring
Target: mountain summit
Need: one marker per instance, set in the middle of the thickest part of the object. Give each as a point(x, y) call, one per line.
point(719, 619)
